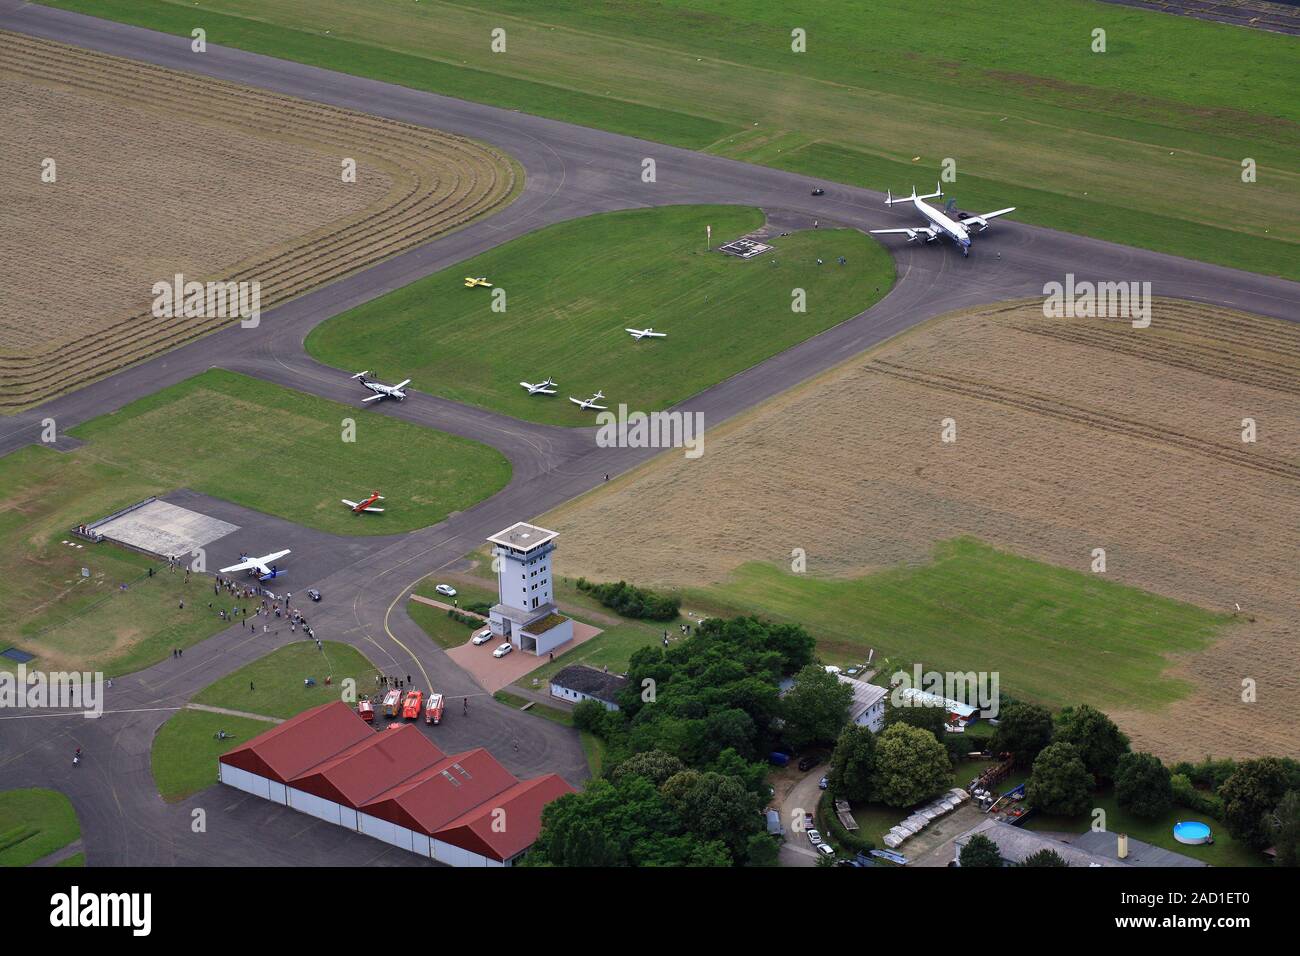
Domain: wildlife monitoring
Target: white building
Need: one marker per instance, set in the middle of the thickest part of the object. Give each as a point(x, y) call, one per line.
point(525, 613)
point(868, 706)
point(579, 682)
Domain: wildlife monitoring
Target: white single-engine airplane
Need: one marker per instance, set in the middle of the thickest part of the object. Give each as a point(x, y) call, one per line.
point(589, 403)
point(263, 566)
point(368, 505)
point(381, 390)
point(941, 221)
point(541, 388)
point(640, 334)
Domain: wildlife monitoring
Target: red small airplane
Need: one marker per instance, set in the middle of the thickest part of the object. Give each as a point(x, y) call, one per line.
point(368, 505)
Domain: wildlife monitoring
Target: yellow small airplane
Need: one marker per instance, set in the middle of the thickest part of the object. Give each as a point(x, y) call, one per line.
point(471, 282)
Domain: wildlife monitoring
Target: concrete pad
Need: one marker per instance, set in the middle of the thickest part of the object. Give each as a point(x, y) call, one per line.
point(164, 529)
point(493, 673)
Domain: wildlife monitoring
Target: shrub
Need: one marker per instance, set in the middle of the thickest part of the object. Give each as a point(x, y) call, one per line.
point(631, 601)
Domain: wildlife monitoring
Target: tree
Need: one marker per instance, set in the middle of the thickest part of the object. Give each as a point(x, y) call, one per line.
point(932, 719)
point(1023, 731)
point(1059, 783)
point(761, 850)
point(1250, 796)
point(816, 708)
point(853, 763)
point(1044, 857)
point(1095, 737)
point(1143, 786)
point(1284, 830)
point(980, 851)
point(655, 765)
point(911, 766)
point(591, 715)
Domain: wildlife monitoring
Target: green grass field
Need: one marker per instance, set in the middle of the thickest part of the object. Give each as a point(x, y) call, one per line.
point(1224, 851)
point(185, 750)
point(277, 680)
point(1055, 636)
point(442, 630)
point(281, 452)
point(1141, 144)
point(33, 824)
point(571, 291)
point(51, 610)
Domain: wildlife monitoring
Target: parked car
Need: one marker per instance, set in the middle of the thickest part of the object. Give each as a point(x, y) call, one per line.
point(808, 762)
point(481, 637)
point(313, 594)
point(823, 783)
point(778, 759)
point(503, 650)
point(814, 838)
point(446, 590)
point(825, 849)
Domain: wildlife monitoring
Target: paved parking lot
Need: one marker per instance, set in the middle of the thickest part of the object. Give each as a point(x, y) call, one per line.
point(493, 673)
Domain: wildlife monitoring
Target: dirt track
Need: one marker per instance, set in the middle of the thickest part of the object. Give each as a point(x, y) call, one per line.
point(162, 172)
point(1072, 434)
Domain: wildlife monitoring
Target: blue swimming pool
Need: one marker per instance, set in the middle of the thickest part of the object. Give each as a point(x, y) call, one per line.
point(1192, 832)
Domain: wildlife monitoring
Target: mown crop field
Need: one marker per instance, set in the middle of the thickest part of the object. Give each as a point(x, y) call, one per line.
point(1071, 435)
point(244, 186)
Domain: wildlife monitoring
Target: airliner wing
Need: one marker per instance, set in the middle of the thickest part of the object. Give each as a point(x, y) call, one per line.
point(983, 221)
point(928, 231)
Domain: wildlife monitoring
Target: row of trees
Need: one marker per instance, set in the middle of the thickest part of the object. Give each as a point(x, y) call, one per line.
point(632, 601)
point(687, 778)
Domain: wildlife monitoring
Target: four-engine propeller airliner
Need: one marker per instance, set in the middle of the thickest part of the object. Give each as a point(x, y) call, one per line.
point(541, 388)
point(368, 505)
point(264, 567)
point(640, 334)
point(381, 390)
point(941, 222)
point(590, 403)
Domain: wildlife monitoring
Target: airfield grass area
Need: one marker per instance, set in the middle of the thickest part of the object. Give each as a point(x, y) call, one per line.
point(281, 451)
point(257, 444)
point(33, 824)
point(573, 288)
point(185, 749)
point(1052, 633)
point(71, 621)
point(1141, 144)
point(1072, 435)
point(277, 680)
point(268, 172)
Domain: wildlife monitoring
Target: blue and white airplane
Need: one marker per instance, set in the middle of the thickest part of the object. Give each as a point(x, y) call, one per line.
point(266, 571)
point(941, 222)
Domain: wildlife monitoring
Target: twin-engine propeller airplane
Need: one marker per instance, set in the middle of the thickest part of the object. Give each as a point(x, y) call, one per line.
point(381, 390)
point(640, 334)
point(264, 566)
point(368, 505)
point(541, 388)
point(589, 403)
point(941, 222)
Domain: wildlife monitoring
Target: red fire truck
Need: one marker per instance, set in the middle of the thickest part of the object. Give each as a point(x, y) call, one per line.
point(433, 710)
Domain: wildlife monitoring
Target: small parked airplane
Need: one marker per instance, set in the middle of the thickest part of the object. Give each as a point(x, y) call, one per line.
point(640, 334)
point(367, 505)
point(541, 388)
point(590, 402)
point(381, 390)
point(263, 566)
point(472, 281)
point(941, 222)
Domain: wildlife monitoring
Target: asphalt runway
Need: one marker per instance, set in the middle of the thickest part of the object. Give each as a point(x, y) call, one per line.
point(571, 171)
